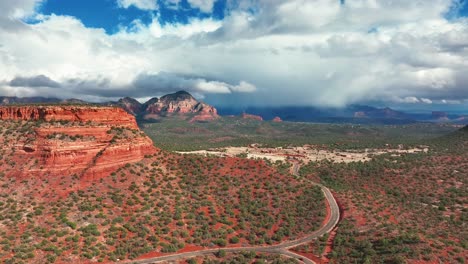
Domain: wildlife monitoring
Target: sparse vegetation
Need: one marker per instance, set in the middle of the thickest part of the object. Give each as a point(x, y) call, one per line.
point(397, 208)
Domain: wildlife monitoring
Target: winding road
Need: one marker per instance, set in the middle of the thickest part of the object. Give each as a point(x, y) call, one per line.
point(282, 248)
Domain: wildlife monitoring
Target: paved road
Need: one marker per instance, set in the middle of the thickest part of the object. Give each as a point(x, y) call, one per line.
point(281, 248)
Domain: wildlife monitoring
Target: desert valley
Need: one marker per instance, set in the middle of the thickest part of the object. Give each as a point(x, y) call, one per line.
point(234, 131)
point(83, 183)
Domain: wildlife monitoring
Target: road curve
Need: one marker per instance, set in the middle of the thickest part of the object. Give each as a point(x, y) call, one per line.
point(282, 248)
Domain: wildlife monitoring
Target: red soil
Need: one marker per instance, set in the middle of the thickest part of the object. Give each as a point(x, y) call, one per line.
point(151, 254)
point(328, 246)
point(190, 248)
point(311, 256)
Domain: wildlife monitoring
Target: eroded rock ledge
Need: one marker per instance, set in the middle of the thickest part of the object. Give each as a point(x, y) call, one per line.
point(103, 115)
point(72, 140)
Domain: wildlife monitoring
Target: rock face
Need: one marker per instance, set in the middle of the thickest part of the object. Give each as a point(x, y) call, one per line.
point(131, 105)
point(277, 119)
point(180, 103)
point(252, 117)
point(86, 141)
point(102, 115)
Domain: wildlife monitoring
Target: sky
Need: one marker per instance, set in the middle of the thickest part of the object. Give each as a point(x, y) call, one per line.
point(325, 53)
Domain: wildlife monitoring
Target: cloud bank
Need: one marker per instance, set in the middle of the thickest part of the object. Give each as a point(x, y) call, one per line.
point(301, 52)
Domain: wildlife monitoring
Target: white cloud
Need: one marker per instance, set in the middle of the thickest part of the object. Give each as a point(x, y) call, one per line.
point(426, 100)
point(18, 8)
point(410, 100)
point(244, 87)
point(141, 4)
point(172, 4)
point(291, 52)
point(205, 6)
point(444, 101)
point(167, 82)
point(148, 33)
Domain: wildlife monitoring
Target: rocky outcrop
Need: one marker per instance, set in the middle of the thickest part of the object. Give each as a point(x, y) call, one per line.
point(103, 115)
point(131, 105)
point(277, 119)
point(179, 103)
point(96, 141)
point(251, 117)
point(359, 114)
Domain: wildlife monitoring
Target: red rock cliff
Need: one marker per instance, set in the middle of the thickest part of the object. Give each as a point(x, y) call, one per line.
point(97, 141)
point(103, 115)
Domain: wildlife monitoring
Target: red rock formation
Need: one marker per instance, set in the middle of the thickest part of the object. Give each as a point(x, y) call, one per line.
point(104, 139)
point(181, 103)
point(131, 105)
point(252, 117)
point(102, 115)
point(277, 119)
point(359, 114)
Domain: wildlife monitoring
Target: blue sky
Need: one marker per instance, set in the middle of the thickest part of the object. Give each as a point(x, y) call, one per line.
point(108, 15)
point(407, 54)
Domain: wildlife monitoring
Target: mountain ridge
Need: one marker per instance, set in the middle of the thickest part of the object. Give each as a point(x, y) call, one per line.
point(183, 105)
point(179, 103)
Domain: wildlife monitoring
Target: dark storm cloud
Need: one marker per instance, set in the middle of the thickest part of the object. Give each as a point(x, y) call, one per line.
point(144, 85)
point(34, 81)
point(324, 53)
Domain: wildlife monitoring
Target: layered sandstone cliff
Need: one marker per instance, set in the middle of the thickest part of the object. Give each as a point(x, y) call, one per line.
point(103, 115)
point(93, 140)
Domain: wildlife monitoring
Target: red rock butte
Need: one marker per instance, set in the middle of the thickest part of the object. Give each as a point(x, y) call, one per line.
point(104, 115)
point(277, 119)
point(252, 117)
point(92, 142)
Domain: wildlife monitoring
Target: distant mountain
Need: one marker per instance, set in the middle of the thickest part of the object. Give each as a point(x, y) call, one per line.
point(462, 120)
point(6, 100)
point(132, 106)
point(351, 114)
point(437, 115)
point(184, 105)
point(378, 113)
point(287, 113)
point(180, 103)
point(73, 101)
